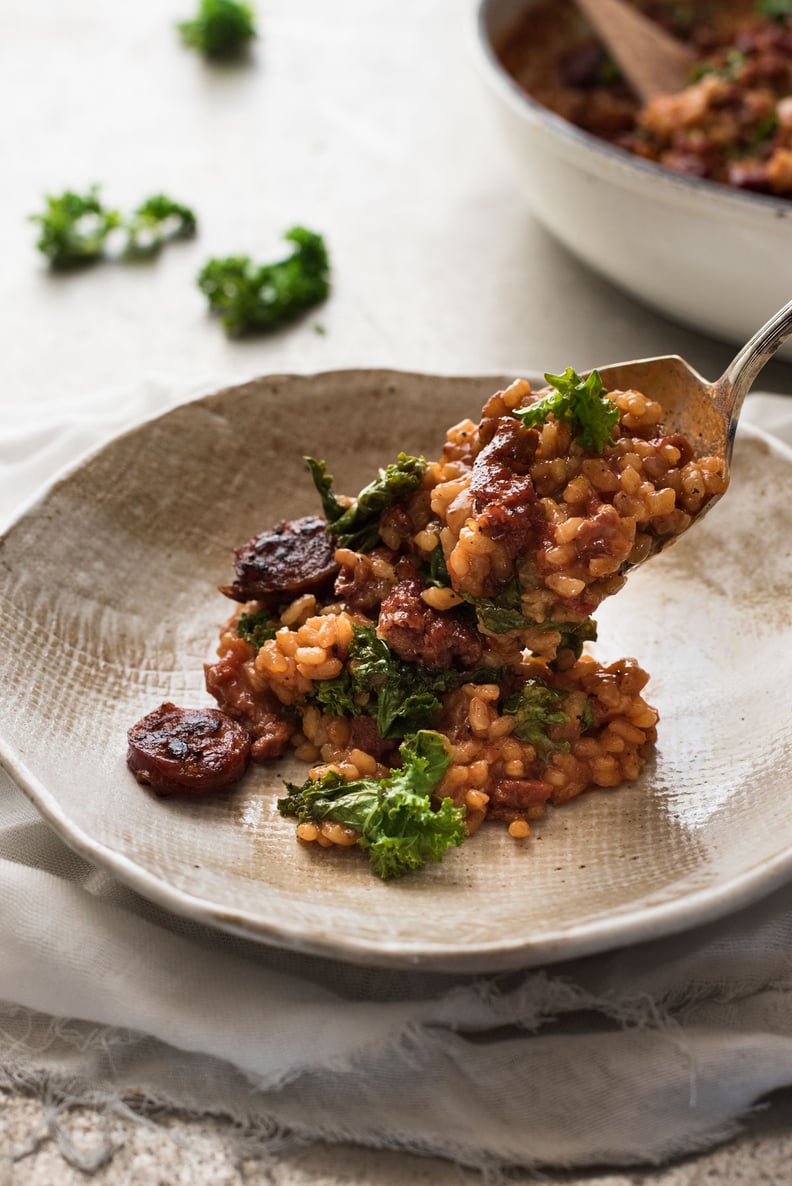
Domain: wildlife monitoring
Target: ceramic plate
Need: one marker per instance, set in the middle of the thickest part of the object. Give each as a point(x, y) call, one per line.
point(109, 605)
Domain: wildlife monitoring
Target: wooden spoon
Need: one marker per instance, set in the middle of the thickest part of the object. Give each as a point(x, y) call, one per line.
point(653, 62)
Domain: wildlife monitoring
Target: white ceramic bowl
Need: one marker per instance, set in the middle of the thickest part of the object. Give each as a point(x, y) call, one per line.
point(716, 259)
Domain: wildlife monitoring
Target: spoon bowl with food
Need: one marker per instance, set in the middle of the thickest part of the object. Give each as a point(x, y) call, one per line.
point(690, 224)
point(705, 413)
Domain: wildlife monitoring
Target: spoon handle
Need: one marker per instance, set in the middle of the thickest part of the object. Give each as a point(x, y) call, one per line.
point(653, 61)
point(738, 378)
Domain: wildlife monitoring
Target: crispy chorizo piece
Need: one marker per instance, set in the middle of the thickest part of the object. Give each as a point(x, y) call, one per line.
point(187, 750)
point(511, 798)
point(399, 523)
point(296, 556)
point(396, 526)
point(272, 740)
point(507, 457)
point(259, 712)
point(504, 497)
point(420, 634)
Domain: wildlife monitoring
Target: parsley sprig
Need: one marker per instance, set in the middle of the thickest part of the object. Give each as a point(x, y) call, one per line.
point(75, 228)
point(580, 404)
point(256, 298)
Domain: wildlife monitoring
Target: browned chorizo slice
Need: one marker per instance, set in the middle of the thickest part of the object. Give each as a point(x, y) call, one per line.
point(510, 798)
point(187, 750)
point(420, 634)
point(504, 497)
point(296, 556)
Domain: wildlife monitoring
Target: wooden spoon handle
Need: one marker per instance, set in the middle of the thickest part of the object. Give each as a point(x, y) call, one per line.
point(653, 62)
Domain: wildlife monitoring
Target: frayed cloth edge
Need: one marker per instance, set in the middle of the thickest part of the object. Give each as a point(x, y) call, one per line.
point(264, 1139)
point(259, 1134)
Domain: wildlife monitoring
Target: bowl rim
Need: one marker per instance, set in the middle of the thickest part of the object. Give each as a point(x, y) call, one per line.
point(756, 204)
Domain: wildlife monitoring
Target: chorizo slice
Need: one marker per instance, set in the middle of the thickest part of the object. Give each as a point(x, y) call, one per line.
point(296, 556)
point(419, 634)
point(187, 750)
point(511, 798)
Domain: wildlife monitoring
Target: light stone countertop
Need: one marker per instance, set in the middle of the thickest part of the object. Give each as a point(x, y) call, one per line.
point(178, 1152)
point(362, 120)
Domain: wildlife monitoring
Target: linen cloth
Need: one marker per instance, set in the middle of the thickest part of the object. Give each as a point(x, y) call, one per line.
point(624, 1058)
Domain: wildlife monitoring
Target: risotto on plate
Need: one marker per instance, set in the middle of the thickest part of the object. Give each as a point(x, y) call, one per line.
point(422, 645)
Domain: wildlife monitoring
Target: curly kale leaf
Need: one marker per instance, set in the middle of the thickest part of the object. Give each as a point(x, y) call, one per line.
point(155, 222)
point(323, 481)
point(400, 712)
point(394, 815)
point(74, 228)
point(337, 696)
point(574, 634)
point(439, 575)
point(498, 619)
point(501, 613)
point(401, 697)
point(406, 696)
point(219, 29)
point(763, 130)
point(485, 675)
point(256, 628)
point(357, 526)
point(536, 708)
point(256, 298)
point(730, 69)
point(581, 404)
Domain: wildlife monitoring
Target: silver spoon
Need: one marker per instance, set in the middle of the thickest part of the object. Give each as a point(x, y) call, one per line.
point(705, 413)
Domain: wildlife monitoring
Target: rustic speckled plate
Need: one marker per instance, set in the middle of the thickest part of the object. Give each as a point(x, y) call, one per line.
point(108, 606)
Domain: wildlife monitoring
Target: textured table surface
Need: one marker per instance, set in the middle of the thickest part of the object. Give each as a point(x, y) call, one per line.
point(364, 121)
point(175, 1152)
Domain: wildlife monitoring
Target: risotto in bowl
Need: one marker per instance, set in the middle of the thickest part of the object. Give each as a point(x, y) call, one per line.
point(685, 204)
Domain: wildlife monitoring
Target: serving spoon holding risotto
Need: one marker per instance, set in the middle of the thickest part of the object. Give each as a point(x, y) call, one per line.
point(705, 413)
